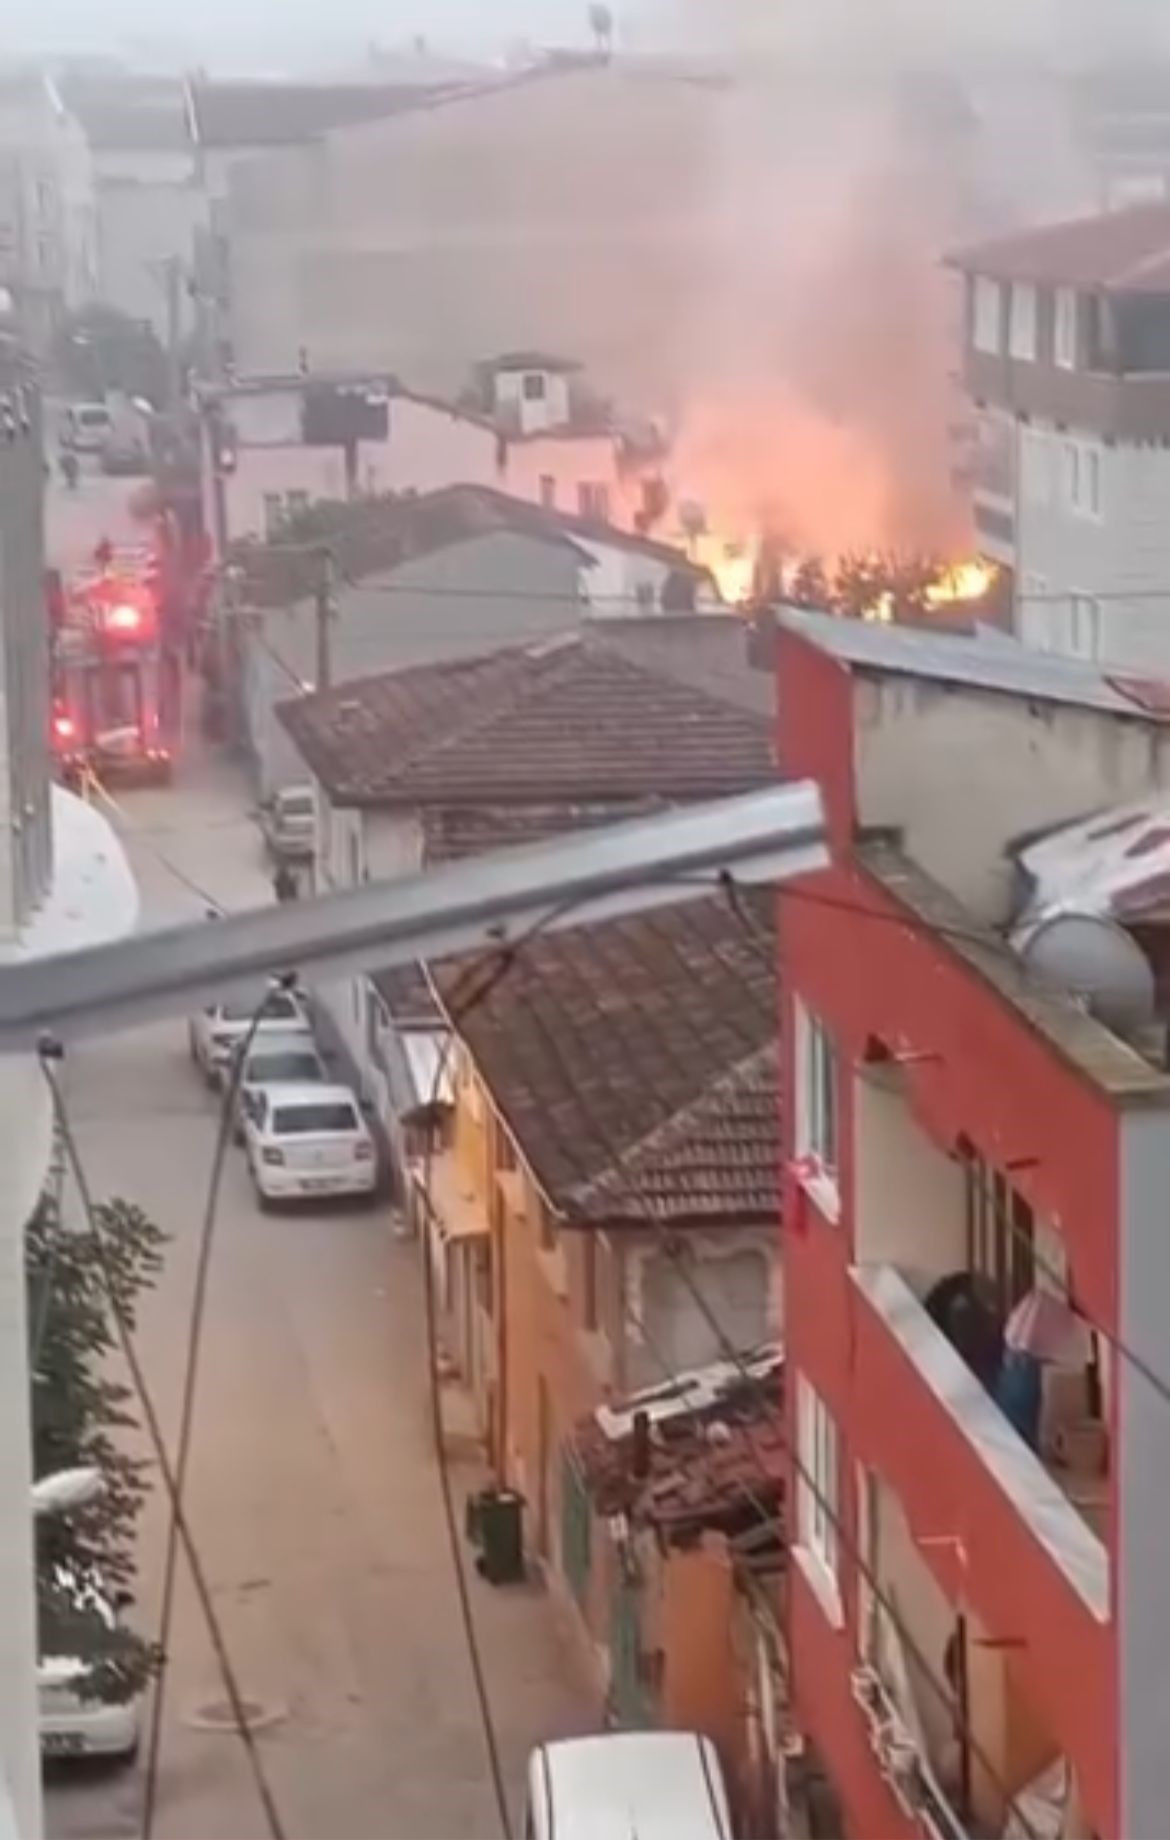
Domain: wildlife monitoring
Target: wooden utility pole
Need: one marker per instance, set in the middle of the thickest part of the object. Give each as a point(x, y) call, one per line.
point(326, 614)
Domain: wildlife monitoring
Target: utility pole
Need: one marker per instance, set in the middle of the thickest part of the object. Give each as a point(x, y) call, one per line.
point(326, 614)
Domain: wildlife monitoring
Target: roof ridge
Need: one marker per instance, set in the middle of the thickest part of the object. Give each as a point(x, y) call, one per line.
point(516, 660)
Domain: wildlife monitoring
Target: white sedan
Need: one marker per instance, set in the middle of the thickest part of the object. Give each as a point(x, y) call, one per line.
point(217, 1032)
point(73, 1723)
point(304, 1143)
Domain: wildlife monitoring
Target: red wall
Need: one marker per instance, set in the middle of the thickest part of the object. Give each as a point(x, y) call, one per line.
point(870, 970)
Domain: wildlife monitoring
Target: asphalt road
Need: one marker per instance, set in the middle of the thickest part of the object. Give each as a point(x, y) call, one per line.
point(313, 1490)
point(76, 522)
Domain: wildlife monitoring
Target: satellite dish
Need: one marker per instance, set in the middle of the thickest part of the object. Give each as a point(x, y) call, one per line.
point(1090, 957)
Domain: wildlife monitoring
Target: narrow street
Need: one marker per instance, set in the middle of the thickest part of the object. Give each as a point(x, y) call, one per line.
point(313, 1491)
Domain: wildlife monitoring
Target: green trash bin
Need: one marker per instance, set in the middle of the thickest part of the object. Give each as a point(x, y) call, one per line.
point(501, 1536)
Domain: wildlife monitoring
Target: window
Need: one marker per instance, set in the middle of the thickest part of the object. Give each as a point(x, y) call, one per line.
point(273, 514)
point(1082, 478)
point(1084, 626)
point(296, 504)
point(1036, 467)
point(816, 1096)
point(817, 1482)
point(1064, 329)
point(1000, 1235)
point(589, 1279)
point(533, 387)
point(548, 491)
point(987, 310)
point(1022, 321)
point(593, 501)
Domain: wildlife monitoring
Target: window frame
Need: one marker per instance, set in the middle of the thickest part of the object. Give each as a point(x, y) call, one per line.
point(1023, 321)
point(818, 1106)
point(818, 1483)
point(987, 316)
point(1065, 324)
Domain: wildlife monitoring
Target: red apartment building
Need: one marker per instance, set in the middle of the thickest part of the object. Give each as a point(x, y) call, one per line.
point(978, 1614)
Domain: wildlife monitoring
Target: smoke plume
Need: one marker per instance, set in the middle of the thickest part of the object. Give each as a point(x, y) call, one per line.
point(859, 141)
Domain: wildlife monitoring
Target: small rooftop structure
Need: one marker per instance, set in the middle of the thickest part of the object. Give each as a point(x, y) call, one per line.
point(715, 1453)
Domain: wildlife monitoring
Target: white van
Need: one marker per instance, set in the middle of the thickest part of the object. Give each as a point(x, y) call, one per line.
point(627, 1785)
point(86, 427)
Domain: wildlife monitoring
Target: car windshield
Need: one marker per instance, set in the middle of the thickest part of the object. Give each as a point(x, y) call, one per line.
point(279, 1008)
point(272, 1069)
point(296, 805)
point(302, 1120)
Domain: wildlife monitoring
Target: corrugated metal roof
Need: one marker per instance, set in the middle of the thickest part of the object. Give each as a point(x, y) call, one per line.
point(1000, 665)
point(1114, 864)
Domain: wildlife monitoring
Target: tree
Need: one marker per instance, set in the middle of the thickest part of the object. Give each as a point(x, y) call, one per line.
point(601, 26)
point(85, 1558)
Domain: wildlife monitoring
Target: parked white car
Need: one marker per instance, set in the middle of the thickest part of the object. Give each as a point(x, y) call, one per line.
point(216, 1033)
point(306, 1142)
point(287, 1058)
point(290, 824)
point(72, 1725)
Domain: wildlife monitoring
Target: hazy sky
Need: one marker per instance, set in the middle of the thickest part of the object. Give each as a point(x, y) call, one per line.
point(249, 27)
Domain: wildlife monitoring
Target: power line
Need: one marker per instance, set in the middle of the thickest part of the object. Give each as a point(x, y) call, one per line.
point(1002, 1215)
point(49, 1050)
point(130, 828)
point(939, 1687)
point(196, 1318)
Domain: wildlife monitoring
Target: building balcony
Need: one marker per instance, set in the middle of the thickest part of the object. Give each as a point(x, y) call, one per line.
point(1132, 407)
point(1000, 1533)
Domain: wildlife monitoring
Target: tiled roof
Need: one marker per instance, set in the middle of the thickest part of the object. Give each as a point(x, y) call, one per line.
point(568, 718)
point(273, 114)
point(454, 831)
point(635, 1063)
point(1125, 252)
point(714, 1468)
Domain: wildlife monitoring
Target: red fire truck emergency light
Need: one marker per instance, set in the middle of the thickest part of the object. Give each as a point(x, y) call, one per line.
point(64, 727)
point(124, 617)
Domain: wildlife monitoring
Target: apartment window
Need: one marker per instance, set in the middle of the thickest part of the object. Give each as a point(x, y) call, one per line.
point(1064, 329)
point(533, 386)
point(1001, 1232)
point(548, 491)
point(817, 1095)
point(1022, 321)
point(45, 197)
point(817, 1483)
point(593, 501)
point(273, 514)
point(296, 504)
point(1082, 478)
point(1084, 626)
point(987, 312)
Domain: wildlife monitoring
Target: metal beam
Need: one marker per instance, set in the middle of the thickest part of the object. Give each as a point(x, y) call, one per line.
point(769, 835)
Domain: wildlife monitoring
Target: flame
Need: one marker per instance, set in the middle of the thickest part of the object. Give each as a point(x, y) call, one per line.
point(732, 564)
point(962, 582)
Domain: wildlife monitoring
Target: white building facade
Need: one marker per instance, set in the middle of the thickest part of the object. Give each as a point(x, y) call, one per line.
point(1067, 355)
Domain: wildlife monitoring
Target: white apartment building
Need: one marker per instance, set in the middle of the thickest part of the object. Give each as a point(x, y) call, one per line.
point(48, 218)
point(64, 883)
point(1067, 366)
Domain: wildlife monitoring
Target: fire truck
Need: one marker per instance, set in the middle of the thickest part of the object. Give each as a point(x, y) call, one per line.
point(117, 681)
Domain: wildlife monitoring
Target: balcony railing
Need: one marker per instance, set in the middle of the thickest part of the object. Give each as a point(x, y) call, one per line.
point(1057, 1524)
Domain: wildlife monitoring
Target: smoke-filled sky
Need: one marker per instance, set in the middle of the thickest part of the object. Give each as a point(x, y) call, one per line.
point(259, 31)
